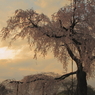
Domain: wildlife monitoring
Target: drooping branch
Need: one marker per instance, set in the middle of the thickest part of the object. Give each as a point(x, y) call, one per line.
point(19, 82)
point(65, 76)
point(37, 79)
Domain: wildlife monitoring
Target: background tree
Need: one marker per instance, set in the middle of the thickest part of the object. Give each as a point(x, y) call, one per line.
point(70, 34)
point(67, 86)
point(44, 84)
point(91, 90)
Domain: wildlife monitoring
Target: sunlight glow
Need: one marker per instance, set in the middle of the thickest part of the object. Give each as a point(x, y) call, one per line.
point(6, 53)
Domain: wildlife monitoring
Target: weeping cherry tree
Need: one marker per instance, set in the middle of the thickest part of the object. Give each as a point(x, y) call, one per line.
point(69, 34)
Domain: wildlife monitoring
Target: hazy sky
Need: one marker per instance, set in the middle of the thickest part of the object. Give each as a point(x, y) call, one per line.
point(17, 61)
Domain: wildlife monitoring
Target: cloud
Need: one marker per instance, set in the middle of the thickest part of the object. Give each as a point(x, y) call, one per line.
point(43, 6)
point(6, 53)
point(51, 3)
point(49, 7)
point(8, 7)
point(41, 3)
point(7, 71)
point(25, 65)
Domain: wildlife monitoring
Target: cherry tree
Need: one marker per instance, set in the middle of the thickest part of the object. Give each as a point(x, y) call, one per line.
point(44, 84)
point(69, 34)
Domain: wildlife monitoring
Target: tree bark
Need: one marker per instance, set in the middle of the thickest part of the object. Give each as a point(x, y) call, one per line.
point(81, 83)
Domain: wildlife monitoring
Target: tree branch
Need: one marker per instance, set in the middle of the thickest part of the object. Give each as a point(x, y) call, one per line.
point(34, 25)
point(93, 57)
point(72, 55)
point(62, 26)
point(76, 42)
point(55, 36)
point(28, 81)
point(36, 80)
point(66, 75)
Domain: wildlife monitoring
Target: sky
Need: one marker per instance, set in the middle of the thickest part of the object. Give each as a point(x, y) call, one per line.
point(16, 61)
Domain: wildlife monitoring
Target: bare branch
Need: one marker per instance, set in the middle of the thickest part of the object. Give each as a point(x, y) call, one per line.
point(65, 76)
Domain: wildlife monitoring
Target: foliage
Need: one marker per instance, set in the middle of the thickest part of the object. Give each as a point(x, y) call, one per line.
point(71, 27)
point(91, 91)
point(4, 90)
point(33, 84)
point(67, 85)
point(41, 84)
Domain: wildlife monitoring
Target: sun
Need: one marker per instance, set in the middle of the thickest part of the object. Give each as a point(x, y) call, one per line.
point(6, 53)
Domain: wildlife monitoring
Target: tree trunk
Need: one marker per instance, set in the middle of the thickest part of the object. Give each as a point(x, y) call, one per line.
point(81, 83)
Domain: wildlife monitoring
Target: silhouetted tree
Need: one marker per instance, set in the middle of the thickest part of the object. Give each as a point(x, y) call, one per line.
point(67, 85)
point(70, 33)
